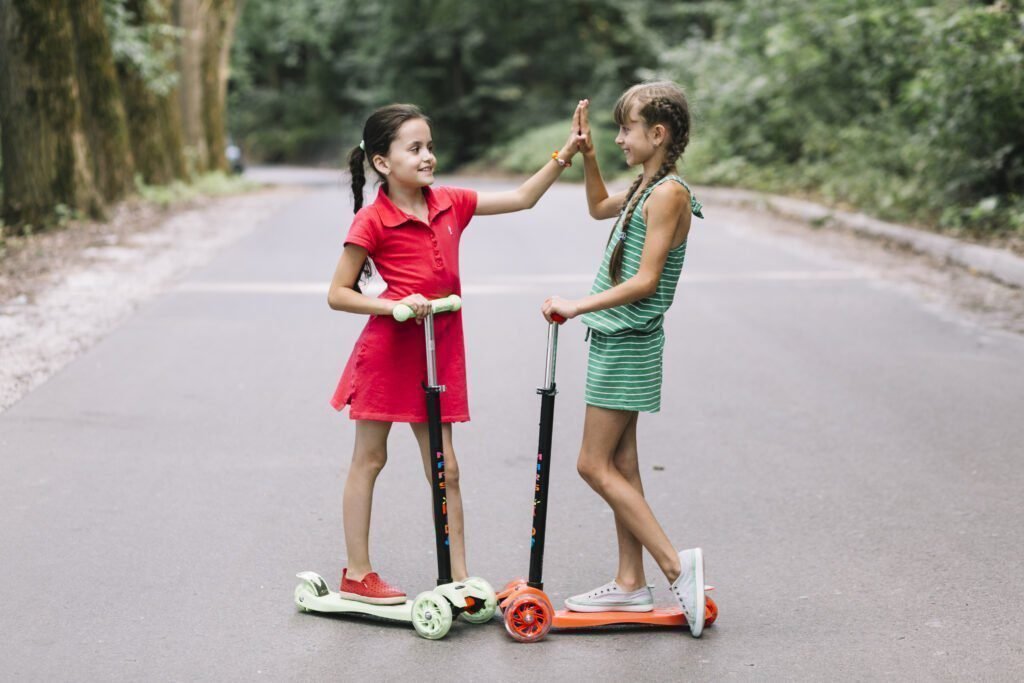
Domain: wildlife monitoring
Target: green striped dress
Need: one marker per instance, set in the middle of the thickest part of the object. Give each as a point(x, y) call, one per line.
point(627, 342)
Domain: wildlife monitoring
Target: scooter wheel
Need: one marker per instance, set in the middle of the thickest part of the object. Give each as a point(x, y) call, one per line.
point(485, 613)
point(302, 594)
point(431, 615)
point(528, 618)
point(710, 612)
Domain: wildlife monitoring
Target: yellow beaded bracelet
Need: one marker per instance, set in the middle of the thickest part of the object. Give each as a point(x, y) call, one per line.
point(563, 164)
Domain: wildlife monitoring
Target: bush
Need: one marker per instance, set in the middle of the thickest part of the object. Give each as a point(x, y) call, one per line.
point(908, 109)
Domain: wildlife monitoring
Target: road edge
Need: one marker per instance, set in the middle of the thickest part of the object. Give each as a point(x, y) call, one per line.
point(1000, 265)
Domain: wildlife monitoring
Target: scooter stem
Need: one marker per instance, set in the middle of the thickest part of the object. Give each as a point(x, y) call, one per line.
point(540, 498)
point(552, 353)
point(433, 391)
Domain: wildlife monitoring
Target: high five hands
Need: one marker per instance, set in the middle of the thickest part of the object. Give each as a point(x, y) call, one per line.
point(579, 133)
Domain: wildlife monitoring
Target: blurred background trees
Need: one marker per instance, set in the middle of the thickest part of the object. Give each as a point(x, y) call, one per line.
point(908, 109)
point(98, 95)
point(905, 108)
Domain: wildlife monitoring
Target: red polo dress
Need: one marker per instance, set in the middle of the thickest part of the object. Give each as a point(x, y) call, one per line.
point(384, 375)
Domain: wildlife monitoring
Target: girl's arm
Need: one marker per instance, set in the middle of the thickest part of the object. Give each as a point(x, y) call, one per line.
point(599, 203)
point(527, 194)
point(342, 295)
point(664, 207)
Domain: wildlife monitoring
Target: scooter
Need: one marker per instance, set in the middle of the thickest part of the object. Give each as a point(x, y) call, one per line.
point(432, 612)
point(527, 610)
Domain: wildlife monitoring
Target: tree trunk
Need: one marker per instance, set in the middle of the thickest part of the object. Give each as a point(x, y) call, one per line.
point(103, 116)
point(45, 151)
point(154, 118)
point(220, 21)
point(189, 17)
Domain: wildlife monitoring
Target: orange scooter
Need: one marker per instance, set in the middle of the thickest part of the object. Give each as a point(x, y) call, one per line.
point(527, 610)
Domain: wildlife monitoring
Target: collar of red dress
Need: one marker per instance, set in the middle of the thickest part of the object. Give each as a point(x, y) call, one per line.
point(392, 217)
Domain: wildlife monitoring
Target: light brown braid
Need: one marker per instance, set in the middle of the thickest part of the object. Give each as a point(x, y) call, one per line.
point(674, 113)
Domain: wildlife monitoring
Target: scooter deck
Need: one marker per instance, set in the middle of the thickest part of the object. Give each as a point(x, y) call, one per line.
point(312, 595)
point(566, 619)
point(671, 617)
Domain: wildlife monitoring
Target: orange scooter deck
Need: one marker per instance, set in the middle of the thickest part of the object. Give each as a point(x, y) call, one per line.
point(529, 614)
point(658, 617)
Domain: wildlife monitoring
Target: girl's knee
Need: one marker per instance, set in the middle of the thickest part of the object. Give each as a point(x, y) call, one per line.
point(451, 471)
point(370, 460)
point(592, 471)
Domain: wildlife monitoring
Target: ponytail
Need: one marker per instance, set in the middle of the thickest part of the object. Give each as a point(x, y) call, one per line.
point(356, 159)
point(615, 264)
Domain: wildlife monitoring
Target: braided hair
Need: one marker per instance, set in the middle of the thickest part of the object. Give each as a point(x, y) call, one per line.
point(378, 133)
point(661, 102)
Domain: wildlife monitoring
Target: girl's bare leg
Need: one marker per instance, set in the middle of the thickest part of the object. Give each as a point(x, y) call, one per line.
point(602, 431)
point(456, 541)
point(368, 459)
point(631, 562)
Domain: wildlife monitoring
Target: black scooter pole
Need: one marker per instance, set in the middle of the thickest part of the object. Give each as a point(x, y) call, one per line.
point(540, 496)
point(433, 393)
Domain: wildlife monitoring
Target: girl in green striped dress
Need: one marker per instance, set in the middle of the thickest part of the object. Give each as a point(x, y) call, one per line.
point(624, 314)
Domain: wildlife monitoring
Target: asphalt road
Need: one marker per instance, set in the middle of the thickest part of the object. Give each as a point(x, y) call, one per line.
point(849, 457)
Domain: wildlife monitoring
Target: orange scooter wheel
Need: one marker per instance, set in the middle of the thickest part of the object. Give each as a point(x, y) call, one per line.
point(528, 618)
point(710, 612)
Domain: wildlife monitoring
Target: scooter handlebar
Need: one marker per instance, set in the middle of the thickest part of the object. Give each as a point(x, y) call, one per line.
point(451, 303)
point(557, 318)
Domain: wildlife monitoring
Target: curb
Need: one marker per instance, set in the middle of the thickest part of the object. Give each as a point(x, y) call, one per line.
point(997, 264)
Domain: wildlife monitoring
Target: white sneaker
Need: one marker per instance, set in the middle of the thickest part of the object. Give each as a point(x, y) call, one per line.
point(611, 598)
point(688, 589)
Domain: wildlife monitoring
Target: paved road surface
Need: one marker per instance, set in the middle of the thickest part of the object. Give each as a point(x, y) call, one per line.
point(850, 460)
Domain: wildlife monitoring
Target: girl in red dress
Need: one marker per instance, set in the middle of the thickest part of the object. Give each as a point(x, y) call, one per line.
point(411, 232)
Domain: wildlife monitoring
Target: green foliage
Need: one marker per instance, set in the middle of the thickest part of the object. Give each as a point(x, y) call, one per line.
point(299, 77)
point(907, 109)
point(482, 71)
point(146, 47)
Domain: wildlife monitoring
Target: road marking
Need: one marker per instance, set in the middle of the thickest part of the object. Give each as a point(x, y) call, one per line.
point(512, 284)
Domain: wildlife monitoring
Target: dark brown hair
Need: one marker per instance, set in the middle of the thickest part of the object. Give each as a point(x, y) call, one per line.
point(661, 102)
point(378, 133)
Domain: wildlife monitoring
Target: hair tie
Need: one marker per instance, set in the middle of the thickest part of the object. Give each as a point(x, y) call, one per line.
point(362, 145)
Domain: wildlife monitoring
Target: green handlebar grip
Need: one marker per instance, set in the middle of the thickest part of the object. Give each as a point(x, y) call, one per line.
point(401, 312)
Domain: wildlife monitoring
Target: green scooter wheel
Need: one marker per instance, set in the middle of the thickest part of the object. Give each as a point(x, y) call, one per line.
point(431, 615)
point(485, 613)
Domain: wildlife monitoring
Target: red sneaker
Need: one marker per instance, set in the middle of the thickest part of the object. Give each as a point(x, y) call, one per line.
point(371, 589)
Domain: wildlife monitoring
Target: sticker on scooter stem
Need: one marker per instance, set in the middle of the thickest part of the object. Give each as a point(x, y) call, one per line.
point(440, 484)
point(536, 501)
point(440, 467)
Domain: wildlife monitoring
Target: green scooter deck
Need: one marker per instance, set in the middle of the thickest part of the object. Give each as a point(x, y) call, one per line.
point(313, 595)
